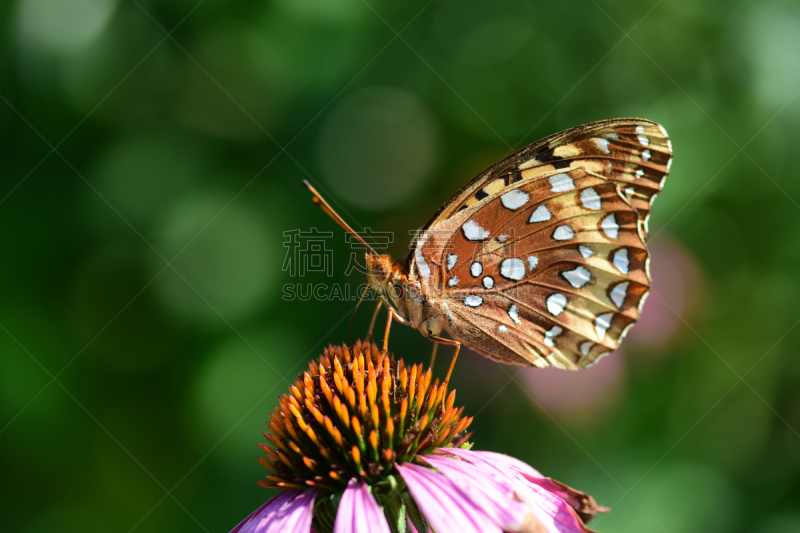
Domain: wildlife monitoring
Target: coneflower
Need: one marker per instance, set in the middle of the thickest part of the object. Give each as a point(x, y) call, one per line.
point(362, 443)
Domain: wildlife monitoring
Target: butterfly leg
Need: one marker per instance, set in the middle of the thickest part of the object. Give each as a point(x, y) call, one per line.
point(374, 318)
point(393, 315)
point(433, 354)
point(449, 342)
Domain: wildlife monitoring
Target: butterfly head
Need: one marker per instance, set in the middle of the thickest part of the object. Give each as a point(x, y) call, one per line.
point(389, 279)
point(381, 270)
point(386, 277)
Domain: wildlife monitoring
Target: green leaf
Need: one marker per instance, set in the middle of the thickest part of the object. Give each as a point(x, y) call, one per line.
point(413, 512)
point(395, 510)
point(325, 512)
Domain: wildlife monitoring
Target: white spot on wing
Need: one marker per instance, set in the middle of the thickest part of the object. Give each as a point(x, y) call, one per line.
point(473, 300)
point(422, 266)
point(562, 182)
point(451, 261)
point(564, 233)
point(639, 173)
point(585, 251)
point(533, 261)
point(452, 282)
point(597, 360)
point(548, 336)
point(612, 135)
point(619, 293)
point(556, 303)
point(625, 332)
point(643, 139)
point(639, 129)
point(512, 312)
point(602, 144)
point(578, 277)
point(476, 269)
point(488, 282)
point(502, 329)
point(602, 323)
point(473, 232)
point(646, 155)
point(585, 347)
point(610, 226)
point(641, 301)
point(621, 260)
point(515, 199)
point(513, 268)
point(540, 214)
point(590, 199)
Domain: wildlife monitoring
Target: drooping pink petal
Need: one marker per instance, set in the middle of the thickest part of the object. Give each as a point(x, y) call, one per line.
point(446, 508)
point(553, 512)
point(507, 460)
point(288, 512)
point(359, 512)
point(495, 499)
point(583, 503)
point(549, 508)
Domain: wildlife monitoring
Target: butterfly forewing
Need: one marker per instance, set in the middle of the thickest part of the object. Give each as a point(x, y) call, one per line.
point(619, 141)
point(542, 259)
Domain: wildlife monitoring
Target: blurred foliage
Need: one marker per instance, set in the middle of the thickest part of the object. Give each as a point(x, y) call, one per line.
point(152, 157)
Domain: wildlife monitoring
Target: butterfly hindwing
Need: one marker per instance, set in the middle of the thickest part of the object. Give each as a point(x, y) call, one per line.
point(542, 259)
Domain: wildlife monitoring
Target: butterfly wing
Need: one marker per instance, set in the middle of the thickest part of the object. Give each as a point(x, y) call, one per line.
point(542, 260)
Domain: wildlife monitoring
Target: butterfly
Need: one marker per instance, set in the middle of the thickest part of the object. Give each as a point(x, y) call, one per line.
point(542, 259)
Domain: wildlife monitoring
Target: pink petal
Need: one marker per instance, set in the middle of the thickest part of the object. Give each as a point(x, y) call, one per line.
point(359, 512)
point(507, 460)
point(288, 512)
point(495, 499)
point(445, 507)
point(555, 514)
point(576, 499)
point(583, 504)
point(412, 529)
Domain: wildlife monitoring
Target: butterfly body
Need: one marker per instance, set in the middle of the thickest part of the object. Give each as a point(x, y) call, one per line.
point(541, 260)
point(414, 304)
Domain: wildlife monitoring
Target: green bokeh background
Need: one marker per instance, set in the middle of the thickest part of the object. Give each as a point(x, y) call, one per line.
point(152, 154)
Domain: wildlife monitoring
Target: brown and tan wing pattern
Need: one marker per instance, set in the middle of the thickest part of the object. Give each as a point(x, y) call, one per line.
point(543, 260)
point(634, 138)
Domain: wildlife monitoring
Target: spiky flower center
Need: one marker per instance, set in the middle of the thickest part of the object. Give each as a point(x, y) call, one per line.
point(357, 413)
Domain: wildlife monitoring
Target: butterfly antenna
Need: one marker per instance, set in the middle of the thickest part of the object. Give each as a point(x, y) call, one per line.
point(328, 210)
